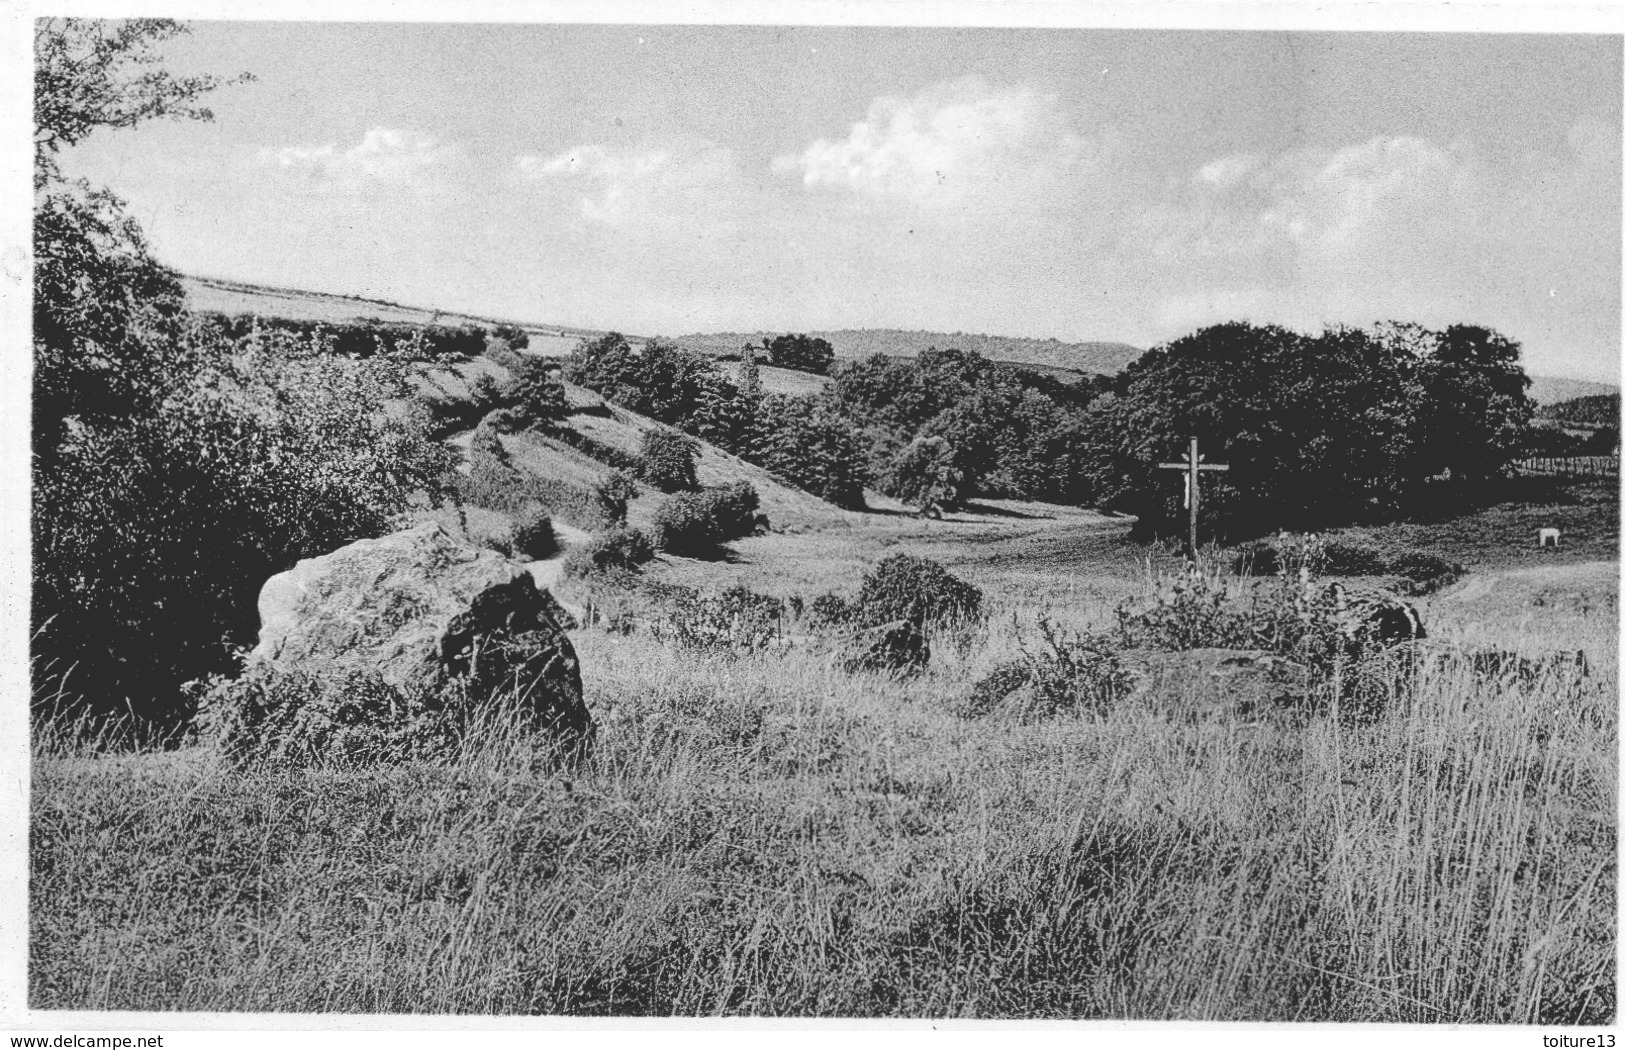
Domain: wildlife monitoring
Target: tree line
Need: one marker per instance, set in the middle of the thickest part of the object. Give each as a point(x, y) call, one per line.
point(1319, 429)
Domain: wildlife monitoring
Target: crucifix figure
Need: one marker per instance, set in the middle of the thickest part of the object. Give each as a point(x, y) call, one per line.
point(1193, 492)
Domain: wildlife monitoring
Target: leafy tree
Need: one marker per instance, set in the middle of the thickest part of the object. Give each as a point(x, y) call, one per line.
point(613, 494)
point(668, 460)
point(537, 394)
point(91, 74)
point(924, 476)
point(1475, 404)
point(176, 464)
point(802, 352)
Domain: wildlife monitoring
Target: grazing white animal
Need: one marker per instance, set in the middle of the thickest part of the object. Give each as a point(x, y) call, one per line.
point(1547, 537)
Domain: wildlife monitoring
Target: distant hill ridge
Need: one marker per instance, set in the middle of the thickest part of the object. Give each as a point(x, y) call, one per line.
point(1103, 358)
point(237, 297)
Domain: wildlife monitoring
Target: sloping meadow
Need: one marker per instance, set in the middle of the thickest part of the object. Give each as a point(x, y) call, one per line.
point(767, 833)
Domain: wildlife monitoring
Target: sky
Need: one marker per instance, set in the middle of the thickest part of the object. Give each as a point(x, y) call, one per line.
point(1080, 184)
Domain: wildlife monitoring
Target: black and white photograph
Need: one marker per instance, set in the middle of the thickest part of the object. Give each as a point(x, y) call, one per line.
point(759, 517)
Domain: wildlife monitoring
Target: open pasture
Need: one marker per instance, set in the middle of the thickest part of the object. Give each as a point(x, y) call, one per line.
point(768, 833)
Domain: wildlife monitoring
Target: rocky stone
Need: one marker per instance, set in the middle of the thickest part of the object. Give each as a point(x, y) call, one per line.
point(423, 610)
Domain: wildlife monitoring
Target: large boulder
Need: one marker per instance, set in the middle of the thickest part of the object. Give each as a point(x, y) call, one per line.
point(428, 615)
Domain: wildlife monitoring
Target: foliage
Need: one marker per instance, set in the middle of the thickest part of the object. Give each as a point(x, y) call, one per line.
point(830, 610)
point(696, 524)
point(613, 493)
point(801, 352)
point(369, 336)
point(619, 550)
point(803, 441)
point(924, 476)
point(1418, 572)
point(512, 336)
point(533, 536)
point(738, 620)
point(660, 381)
point(299, 718)
point(667, 460)
point(1011, 432)
point(904, 587)
point(537, 395)
point(154, 533)
point(1344, 426)
point(1067, 674)
point(91, 74)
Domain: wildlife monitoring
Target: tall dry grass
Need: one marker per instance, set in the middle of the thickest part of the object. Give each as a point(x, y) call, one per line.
point(771, 835)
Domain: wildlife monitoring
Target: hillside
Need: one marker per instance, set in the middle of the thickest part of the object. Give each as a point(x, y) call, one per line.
point(237, 297)
point(1549, 390)
point(1592, 410)
point(1104, 358)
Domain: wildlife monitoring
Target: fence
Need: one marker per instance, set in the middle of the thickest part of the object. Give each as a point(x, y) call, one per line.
point(1570, 466)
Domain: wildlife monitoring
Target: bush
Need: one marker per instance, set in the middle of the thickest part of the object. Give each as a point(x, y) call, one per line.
point(695, 524)
point(686, 524)
point(830, 610)
point(299, 718)
point(537, 396)
point(737, 620)
point(619, 550)
point(1424, 573)
point(1343, 558)
point(533, 534)
point(515, 337)
point(668, 460)
point(734, 508)
point(613, 494)
point(903, 587)
point(1082, 674)
point(802, 352)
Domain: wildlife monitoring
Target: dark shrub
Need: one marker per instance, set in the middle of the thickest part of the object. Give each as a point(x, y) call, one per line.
point(515, 337)
point(734, 508)
point(830, 610)
point(737, 620)
point(537, 395)
point(533, 533)
point(695, 524)
point(1258, 558)
point(299, 718)
point(500, 355)
point(686, 524)
point(1079, 675)
point(668, 460)
point(1342, 558)
point(1424, 573)
point(802, 352)
point(619, 550)
point(903, 587)
point(491, 484)
point(613, 494)
point(484, 441)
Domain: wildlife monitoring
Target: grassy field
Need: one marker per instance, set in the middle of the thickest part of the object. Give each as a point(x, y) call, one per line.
point(770, 834)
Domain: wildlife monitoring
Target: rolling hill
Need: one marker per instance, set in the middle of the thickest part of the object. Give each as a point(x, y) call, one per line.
point(1047, 354)
point(1062, 360)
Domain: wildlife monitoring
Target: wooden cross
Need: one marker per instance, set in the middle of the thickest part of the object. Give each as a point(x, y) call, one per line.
point(1193, 492)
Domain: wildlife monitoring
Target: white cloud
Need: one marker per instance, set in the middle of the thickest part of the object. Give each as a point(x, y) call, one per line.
point(384, 155)
point(950, 142)
point(1393, 226)
point(679, 184)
